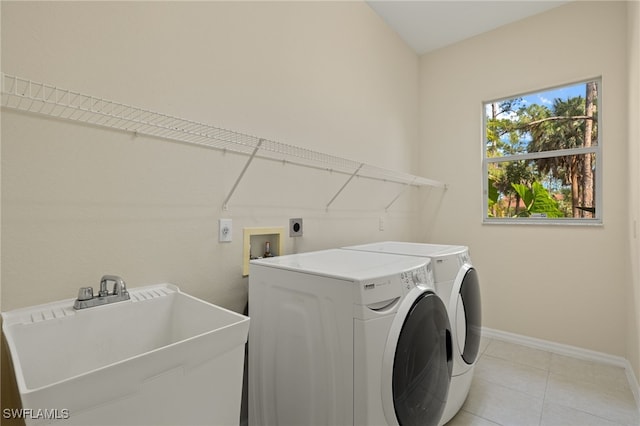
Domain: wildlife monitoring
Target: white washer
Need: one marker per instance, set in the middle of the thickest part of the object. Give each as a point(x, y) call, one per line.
point(456, 282)
point(343, 337)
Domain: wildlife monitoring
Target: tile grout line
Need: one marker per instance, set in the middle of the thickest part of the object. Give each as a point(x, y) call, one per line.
point(544, 396)
point(483, 354)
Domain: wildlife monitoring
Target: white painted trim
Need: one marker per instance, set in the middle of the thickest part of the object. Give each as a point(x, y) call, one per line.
point(633, 383)
point(572, 351)
point(557, 348)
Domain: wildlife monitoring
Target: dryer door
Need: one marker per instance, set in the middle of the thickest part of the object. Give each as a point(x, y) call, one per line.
point(417, 363)
point(466, 313)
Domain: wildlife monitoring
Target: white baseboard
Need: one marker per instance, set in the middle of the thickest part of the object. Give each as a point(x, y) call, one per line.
point(572, 351)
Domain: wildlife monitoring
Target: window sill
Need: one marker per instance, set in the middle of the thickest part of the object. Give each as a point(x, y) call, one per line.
point(552, 222)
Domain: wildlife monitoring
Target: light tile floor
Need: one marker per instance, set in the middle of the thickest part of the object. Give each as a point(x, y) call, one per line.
point(515, 385)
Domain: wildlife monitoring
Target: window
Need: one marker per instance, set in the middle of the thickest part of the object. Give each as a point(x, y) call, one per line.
point(542, 161)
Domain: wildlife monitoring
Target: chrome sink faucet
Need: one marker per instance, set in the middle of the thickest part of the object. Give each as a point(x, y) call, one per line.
point(86, 299)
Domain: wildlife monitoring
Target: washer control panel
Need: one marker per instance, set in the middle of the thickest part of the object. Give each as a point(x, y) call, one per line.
point(422, 275)
point(381, 290)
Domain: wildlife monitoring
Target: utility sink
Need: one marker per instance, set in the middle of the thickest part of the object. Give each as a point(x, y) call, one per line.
point(162, 357)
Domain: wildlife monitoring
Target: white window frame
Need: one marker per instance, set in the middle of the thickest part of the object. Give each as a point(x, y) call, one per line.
point(597, 150)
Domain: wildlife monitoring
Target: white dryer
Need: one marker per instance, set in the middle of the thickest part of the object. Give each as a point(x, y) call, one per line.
point(456, 282)
point(341, 337)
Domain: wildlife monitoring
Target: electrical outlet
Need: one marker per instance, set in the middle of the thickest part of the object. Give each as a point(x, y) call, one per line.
point(295, 227)
point(224, 230)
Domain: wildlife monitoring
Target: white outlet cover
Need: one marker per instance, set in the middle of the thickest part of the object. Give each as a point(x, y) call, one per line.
point(225, 230)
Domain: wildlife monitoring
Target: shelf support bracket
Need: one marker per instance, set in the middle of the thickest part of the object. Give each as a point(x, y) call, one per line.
point(225, 205)
point(402, 191)
point(354, 174)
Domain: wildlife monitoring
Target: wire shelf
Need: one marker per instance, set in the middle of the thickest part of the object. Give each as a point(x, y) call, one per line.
point(40, 98)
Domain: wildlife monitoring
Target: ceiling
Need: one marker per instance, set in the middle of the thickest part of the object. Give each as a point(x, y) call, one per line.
point(427, 25)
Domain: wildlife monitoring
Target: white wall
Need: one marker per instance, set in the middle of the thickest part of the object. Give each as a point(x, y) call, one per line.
point(79, 201)
point(558, 283)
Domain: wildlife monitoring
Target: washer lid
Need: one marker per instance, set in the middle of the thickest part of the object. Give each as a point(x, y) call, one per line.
point(349, 265)
point(410, 249)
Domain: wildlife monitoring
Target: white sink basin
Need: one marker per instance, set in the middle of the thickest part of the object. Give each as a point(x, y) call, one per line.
point(163, 357)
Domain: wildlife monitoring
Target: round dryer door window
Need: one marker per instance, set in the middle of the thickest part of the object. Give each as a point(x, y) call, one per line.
point(469, 305)
point(422, 364)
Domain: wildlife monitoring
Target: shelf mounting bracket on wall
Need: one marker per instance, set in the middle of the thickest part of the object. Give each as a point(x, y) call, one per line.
point(402, 191)
point(225, 205)
point(354, 174)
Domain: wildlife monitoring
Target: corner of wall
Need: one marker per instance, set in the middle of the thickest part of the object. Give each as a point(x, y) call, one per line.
point(633, 349)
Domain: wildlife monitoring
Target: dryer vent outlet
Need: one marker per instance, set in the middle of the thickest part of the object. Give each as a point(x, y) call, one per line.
point(295, 227)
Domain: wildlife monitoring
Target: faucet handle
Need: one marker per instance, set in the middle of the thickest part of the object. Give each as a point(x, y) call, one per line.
point(85, 293)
